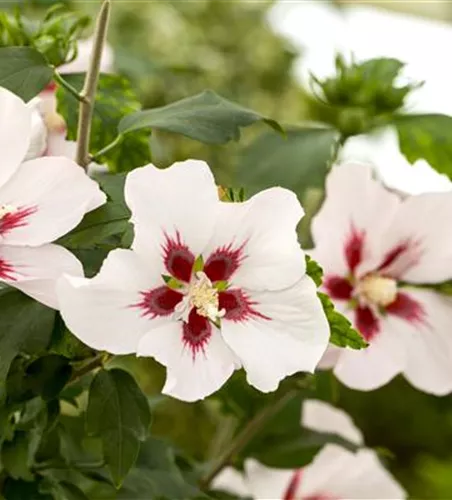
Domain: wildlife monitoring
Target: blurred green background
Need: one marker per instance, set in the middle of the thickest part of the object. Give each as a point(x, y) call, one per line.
point(172, 49)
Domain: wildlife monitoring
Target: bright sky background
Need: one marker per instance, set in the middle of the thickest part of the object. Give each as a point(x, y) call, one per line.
point(319, 31)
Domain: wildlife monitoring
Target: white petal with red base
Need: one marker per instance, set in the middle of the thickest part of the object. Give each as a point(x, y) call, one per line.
point(56, 191)
point(190, 375)
point(429, 357)
point(35, 270)
point(102, 312)
point(423, 219)
point(290, 335)
point(380, 362)
point(182, 199)
point(339, 473)
point(264, 227)
point(354, 201)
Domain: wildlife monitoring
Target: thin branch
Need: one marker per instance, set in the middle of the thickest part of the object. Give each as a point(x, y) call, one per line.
point(107, 148)
point(246, 435)
point(88, 367)
point(90, 86)
point(66, 85)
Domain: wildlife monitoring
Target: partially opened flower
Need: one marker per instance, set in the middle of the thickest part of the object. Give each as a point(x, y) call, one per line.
point(49, 129)
point(48, 134)
point(335, 473)
point(372, 244)
point(40, 200)
point(207, 287)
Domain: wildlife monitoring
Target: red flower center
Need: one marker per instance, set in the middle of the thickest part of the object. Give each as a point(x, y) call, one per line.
point(377, 292)
point(198, 294)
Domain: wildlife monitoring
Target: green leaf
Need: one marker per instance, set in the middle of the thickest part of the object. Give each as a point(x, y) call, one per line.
point(25, 326)
point(115, 98)
point(156, 475)
point(426, 137)
point(119, 413)
point(21, 490)
point(111, 219)
point(24, 71)
point(15, 456)
point(298, 161)
point(70, 491)
point(293, 451)
point(55, 37)
point(45, 377)
point(205, 117)
point(313, 270)
point(342, 332)
point(66, 344)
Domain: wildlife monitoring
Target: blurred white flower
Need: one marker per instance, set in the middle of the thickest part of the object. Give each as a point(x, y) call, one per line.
point(335, 473)
point(40, 200)
point(381, 149)
point(372, 245)
point(207, 287)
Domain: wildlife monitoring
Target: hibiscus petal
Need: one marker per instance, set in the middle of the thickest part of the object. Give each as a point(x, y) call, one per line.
point(323, 417)
point(293, 339)
point(178, 202)
point(60, 194)
point(340, 473)
point(231, 480)
point(103, 311)
point(424, 220)
point(190, 376)
point(355, 202)
point(429, 358)
point(263, 230)
point(35, 270)
point(265, 482)
point(375, 366)
point(15, 133)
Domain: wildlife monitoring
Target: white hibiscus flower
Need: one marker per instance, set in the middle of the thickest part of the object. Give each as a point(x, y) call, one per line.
point(207, 287)
point(334, 474)
point(40, 200)
point(372, 244)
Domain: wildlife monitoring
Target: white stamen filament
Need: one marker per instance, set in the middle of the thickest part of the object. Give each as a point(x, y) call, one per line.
point(377, 290)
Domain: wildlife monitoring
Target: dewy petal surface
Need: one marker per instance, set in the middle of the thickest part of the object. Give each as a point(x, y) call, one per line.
point(190, 376)
point(180, 200)
point(103, 311)
point(354, 201)
point(35, 270)
point(429, 353)
point(15, 133)
point(293, 339)
point(60, 194)
point(264, 227)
